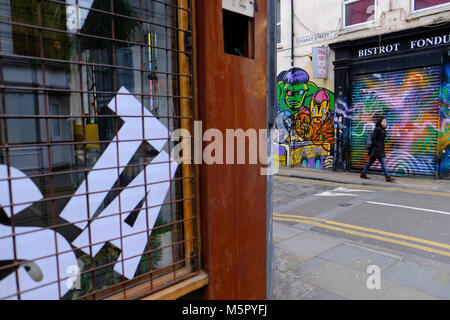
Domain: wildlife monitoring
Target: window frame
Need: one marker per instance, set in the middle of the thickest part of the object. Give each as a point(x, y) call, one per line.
point(346, 2)
point(413, 10)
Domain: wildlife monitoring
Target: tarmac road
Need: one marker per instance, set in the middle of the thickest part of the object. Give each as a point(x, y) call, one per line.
point(410, 227)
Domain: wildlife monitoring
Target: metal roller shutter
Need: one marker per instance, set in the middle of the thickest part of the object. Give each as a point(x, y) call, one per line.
point(410, 101)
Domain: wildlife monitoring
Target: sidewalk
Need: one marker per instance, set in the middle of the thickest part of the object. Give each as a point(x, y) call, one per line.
point(418, 183)
point(311, 265)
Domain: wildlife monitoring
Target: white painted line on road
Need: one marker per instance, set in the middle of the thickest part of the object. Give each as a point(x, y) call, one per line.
point(407, 207)
point(331, 194)
point(351, 190)
point(339, 192)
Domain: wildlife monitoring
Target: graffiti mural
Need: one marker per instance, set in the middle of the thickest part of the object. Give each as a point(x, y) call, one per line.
point(410, 102)
point(415, 103)
point(304, 127)
point(444, 134)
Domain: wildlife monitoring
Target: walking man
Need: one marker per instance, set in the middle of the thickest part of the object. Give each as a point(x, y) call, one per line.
point(376, 150)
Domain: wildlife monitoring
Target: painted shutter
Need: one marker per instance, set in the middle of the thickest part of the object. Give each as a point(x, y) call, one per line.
point(410, 101)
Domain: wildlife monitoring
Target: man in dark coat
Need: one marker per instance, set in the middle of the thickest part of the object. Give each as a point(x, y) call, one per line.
point(376, 150)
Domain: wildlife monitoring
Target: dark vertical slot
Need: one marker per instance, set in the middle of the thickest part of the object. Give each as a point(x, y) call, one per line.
point(238, 34)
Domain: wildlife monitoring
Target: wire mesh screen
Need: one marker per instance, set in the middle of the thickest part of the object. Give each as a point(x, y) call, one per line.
point(91, 203)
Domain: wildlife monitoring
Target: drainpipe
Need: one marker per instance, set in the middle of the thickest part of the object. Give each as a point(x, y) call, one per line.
point(292, 33)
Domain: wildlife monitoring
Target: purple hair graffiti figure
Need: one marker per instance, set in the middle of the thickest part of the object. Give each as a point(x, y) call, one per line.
point(292, 88)
point(304, 125)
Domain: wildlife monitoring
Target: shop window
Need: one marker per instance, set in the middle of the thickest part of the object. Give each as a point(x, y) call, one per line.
point(425, 4)
point(359, 11)
point(89, 98)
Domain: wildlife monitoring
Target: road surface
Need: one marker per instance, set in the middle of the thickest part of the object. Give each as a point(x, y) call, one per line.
point(404, 224)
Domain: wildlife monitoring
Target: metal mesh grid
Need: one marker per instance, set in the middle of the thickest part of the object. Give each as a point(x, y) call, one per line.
point(65, 69)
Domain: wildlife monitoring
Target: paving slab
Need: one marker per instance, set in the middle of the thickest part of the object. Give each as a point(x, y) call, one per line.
point(345, 282)
point(419, 277)
point(358, 258)
point(306, 246)
point(436, 265)
point(282, 231)
point(284, 263)
point(321, 294)
point(399, 292)
point(288, 288)
point(306, 267)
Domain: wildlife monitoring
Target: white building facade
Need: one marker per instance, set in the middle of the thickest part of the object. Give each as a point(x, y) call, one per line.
point(319, 23)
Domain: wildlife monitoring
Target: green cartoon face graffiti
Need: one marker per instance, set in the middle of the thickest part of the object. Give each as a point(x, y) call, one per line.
point(292, 89)
point(291, 96)
point(305, 121)
point(295, 95)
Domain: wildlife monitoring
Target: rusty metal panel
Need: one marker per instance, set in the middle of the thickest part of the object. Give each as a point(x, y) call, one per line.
point(232, 95)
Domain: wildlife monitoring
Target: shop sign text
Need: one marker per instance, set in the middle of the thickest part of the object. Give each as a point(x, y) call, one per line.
point(413, 44)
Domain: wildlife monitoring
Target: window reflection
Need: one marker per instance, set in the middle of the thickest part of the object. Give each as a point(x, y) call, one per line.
point(359, 11)
point(58, 85)
point(423, 4)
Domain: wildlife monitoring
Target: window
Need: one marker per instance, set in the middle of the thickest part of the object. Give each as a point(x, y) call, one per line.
point(20, 131)
point(56, 122)
point(358, 12)
point(91, 204)
point(238, 34)
point(424, 4)
point(278, 17)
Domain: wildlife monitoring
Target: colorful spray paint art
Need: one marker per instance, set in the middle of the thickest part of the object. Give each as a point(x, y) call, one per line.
point(415, 103)
point(444, 134)
point(304, 127)
point(410, 101)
